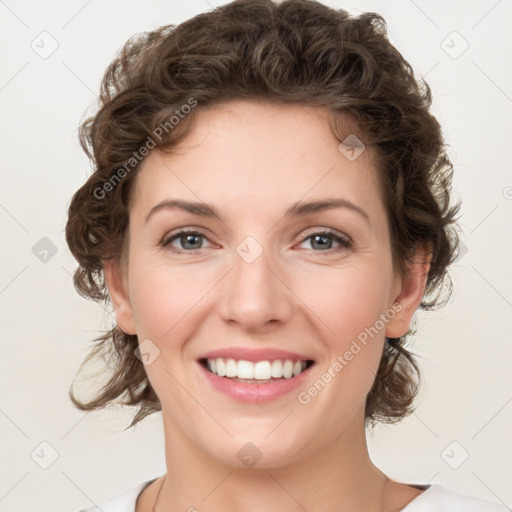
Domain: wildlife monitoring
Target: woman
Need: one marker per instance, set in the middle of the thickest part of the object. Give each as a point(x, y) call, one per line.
point(270, 206)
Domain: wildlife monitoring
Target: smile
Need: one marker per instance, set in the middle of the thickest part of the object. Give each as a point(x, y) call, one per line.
point(257, 372)
point(255, 376)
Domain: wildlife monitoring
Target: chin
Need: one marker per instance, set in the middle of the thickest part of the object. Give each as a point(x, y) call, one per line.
point(259, 450)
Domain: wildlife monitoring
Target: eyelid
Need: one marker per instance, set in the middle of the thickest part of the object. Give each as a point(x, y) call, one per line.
point(174, 234)
point(341, 238)
point(324, 230)
point(344, 240)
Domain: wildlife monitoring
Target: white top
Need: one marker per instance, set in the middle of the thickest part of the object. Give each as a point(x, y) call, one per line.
point(435, 498)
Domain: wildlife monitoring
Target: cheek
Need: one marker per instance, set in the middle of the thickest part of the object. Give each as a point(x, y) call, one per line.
point(349, 304)
point(348, 301)
point(165, 302)
point(163, 297)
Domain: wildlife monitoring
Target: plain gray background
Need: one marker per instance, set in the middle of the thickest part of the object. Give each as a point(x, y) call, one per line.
point(459, 435)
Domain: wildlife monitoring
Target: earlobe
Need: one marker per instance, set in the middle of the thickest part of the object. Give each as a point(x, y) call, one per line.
point(119, 294)
point(411, 293)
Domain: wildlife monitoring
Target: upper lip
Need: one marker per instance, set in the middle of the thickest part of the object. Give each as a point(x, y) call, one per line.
point(254, 354)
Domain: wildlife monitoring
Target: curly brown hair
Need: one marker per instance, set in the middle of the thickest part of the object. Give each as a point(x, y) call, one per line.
point(296, 51)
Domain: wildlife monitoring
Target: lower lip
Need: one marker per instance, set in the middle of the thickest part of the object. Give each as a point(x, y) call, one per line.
point(254, 393)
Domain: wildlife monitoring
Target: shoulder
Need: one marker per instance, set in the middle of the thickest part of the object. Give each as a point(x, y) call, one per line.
point(437, 498)
point(124, 502)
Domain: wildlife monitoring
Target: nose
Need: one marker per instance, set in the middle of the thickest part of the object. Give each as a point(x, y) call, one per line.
point(255, 294)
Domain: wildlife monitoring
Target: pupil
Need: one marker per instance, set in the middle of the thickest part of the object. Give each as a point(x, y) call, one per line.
point(188, 239)
point(322, 237)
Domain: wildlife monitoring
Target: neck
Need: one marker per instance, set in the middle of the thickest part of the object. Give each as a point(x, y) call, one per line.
point(339, 476)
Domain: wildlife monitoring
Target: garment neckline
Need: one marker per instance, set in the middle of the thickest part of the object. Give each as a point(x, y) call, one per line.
point(426, 488)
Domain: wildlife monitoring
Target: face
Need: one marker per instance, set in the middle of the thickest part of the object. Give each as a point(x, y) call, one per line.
point(299, 300)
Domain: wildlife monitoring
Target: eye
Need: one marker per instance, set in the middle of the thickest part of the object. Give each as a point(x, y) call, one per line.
point(189, 240)
point(192, 240)
point(323, 241)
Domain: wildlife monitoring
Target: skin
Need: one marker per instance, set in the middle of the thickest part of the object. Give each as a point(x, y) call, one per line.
point(252, 161)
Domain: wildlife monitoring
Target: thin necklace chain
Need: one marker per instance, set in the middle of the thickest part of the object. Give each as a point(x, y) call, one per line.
point(163, 481)
point(158, 495)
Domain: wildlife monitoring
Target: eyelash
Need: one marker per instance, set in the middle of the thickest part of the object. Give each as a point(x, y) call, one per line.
point(345, 242)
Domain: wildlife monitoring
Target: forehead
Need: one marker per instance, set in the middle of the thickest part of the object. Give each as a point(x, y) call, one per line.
point(248, 153)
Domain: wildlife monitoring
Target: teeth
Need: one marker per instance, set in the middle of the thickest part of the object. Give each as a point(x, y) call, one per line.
point(231, 368)
point(277, 369)
point(288, 369)
point(221, 367)
point(261, 370)
point(245, 370)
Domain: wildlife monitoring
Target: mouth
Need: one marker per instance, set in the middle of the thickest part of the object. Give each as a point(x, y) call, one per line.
point(255, 372)
point(256, 375)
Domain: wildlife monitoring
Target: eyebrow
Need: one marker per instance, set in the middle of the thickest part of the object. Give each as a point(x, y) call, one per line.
point(299, 209)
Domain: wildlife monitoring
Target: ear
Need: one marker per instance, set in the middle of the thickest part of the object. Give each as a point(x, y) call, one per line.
point(411, 288)
point(118, 291)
